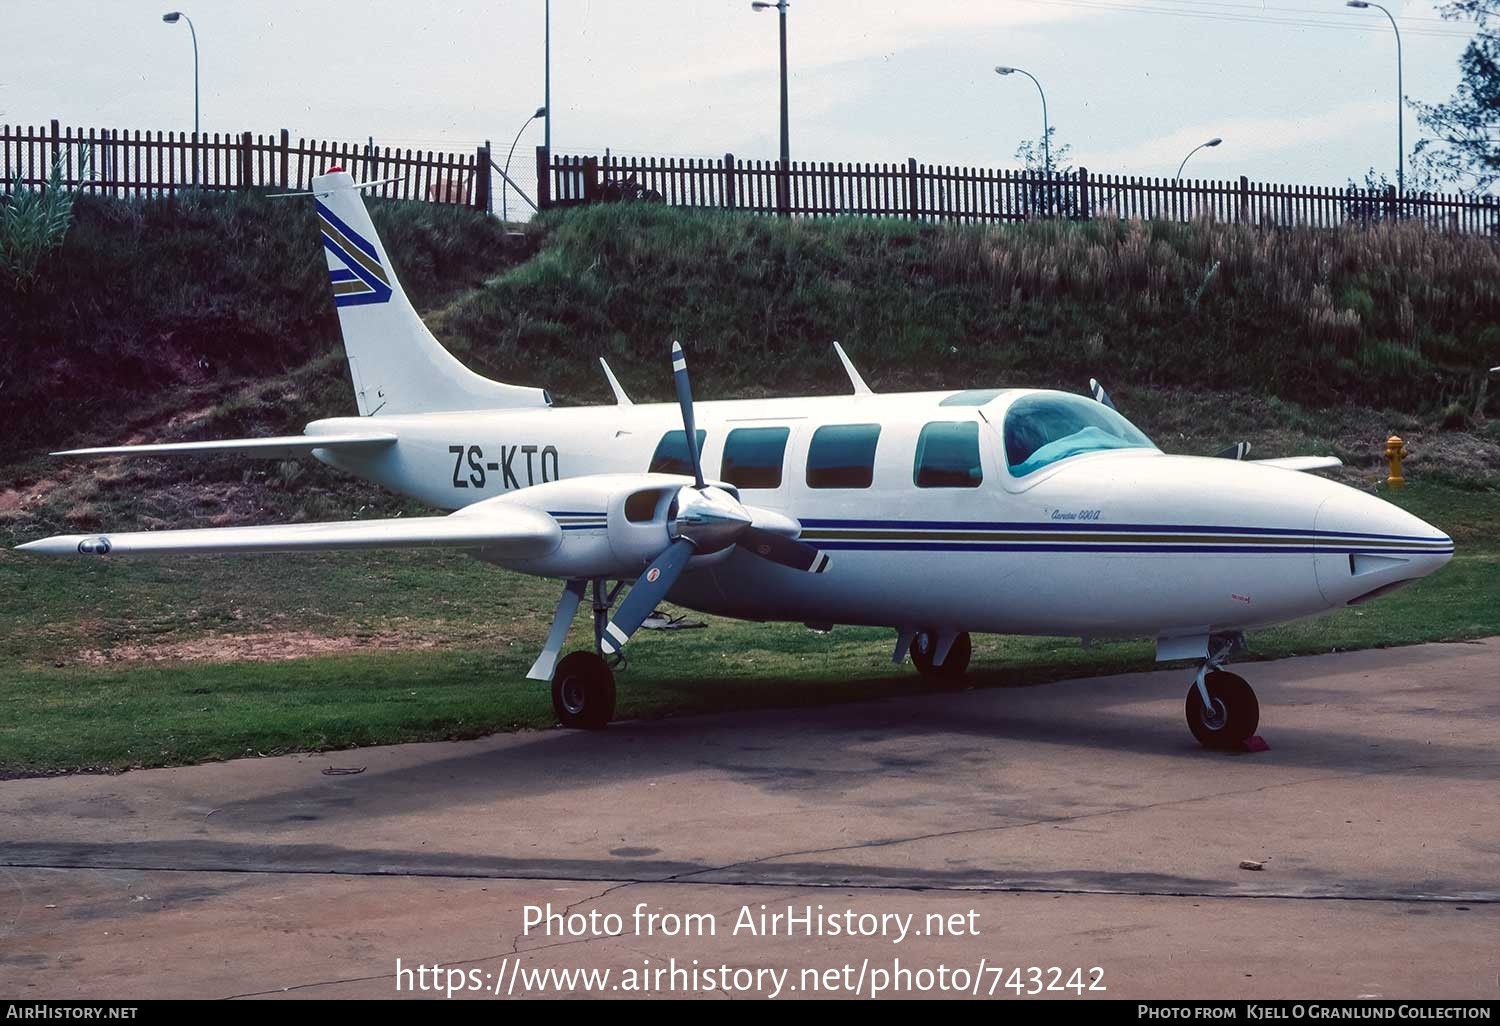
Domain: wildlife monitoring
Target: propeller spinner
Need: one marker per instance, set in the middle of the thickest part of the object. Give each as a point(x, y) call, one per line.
point(706, 519)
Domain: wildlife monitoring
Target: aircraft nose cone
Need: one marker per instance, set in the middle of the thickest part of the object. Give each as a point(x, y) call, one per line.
point(1369, 547)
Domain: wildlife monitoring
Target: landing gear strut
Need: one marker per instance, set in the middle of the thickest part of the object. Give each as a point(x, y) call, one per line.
point(583, 683)
point(1222, 710)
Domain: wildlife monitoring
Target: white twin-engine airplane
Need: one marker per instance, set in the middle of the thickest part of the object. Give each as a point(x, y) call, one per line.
point(1006, 510)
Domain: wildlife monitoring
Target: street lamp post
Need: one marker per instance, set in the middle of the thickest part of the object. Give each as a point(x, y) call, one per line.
point(546, 78)
point(1212, 142)
point(171, 19)
point(783, 198)
point(1046, 131)
point(1400, 95)
point(541, 112)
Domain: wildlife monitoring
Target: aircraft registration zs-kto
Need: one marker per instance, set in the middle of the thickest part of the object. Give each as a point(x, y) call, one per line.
point(1006, 510)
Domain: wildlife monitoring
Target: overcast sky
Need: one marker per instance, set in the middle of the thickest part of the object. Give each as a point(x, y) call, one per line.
point(1300, 90)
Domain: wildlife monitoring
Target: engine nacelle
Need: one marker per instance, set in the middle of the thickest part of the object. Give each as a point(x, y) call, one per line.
point(613, 525)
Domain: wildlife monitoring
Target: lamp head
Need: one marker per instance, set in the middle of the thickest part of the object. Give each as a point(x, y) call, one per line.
point(1356, 3)
point(1214, 141)
point(171, 17)
point(1004, 70)
point(541, 112)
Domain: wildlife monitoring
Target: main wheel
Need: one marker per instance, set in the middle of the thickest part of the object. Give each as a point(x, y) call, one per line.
point(924, 647)
point(1232, 717)
point(583, 691)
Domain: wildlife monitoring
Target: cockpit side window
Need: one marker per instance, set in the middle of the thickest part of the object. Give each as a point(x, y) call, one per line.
point(1044, 428)
point(671, 455)
point(948, 455)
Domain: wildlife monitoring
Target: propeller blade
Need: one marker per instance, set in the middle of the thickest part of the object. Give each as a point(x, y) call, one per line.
point(1237, 451)
point(1100, 395)
point(646, 594)
point(779, 549)
point(685, 400)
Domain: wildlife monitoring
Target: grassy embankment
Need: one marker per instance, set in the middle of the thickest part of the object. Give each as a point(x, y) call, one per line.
point(169, 321)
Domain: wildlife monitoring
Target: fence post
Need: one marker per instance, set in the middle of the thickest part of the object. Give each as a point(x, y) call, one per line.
point(729, 199)
point(1083, 193)
point(543, 178)
point(246, 160)
point(286, 159)
point(482, 199)
point(56, 146)
point(913, 203)
point(591, 179)
point(1390, 201)
point(1244, 200)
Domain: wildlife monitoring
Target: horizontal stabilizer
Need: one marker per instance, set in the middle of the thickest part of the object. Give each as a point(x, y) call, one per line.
point(266, 448)
point(1302, 462)
point(515, 532)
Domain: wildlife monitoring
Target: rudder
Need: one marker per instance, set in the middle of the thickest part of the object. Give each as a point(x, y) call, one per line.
point(396, 364)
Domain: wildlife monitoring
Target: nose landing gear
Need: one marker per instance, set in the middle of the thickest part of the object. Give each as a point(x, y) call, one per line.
point(1222, 710)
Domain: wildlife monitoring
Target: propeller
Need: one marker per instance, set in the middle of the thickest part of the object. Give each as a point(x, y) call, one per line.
point(685, 400)
point(707, 519)
point(1100, 395)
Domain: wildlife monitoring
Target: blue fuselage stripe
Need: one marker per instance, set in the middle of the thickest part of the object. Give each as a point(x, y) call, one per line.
point(938, 546)
point(1045, 527)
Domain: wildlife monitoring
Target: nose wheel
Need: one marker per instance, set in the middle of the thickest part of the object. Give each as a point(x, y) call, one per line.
point(1222, 710)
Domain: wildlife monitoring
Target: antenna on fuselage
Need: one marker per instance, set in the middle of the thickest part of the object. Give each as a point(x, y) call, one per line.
point(614, 384)
point(860, 388)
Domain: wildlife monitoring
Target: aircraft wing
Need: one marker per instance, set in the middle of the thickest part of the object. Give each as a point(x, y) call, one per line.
point(1302, 462)
point(513, 531)
point(281, 448)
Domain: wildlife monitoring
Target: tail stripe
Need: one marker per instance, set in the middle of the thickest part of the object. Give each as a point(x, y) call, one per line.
point(362, 279)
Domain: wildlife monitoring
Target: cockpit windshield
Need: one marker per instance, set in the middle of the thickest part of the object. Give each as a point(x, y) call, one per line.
point(1043, 428)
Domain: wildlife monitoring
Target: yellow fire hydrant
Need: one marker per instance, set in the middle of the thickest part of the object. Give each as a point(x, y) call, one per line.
point(1395, 452)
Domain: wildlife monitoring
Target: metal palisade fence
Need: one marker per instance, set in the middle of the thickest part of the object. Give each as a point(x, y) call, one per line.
point(940, 192)
point(122, 162)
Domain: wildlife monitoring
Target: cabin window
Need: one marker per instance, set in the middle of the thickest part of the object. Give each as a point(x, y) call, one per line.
point(672, 454)
point(752, 457)
point(948, 455)
point(842, 456)
point(1043, 428)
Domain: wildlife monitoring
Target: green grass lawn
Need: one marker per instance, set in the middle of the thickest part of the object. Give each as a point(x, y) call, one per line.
point(446, 642)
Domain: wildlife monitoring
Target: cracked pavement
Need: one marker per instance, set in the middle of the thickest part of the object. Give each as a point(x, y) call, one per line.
point(1079, 820)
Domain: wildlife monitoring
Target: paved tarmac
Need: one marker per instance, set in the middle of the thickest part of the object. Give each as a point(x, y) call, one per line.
point(1074, 825)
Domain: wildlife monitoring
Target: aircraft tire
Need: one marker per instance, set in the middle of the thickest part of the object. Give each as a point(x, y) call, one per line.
point(583, 691)
point(1235, 714)
point(924, 644)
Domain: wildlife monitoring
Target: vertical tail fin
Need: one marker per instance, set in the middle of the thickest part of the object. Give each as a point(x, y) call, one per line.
point(395, 362)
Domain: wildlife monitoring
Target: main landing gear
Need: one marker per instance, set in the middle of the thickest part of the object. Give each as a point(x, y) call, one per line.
point(583, 683)
point(1222, 710)
point(583, 691)
point(955, 651)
